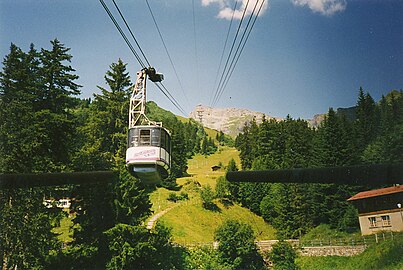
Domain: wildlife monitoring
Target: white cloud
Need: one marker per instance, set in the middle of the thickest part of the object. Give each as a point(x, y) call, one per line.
point(226, 7)
point(324, 7)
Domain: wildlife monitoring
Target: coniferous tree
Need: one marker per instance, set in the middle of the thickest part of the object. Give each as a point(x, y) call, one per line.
point(367, 122)
point(106, 128)
point(55, 104)
point(35, 131)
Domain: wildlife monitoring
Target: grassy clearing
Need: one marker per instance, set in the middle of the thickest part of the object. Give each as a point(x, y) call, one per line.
point(65, 231)
point(190, 222)
point(200, 166)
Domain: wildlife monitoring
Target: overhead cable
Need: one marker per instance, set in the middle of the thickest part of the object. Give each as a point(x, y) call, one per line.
point(168, 95)
point(163, 89)
point(167, 52)
point(230, 53)
point(240, 47)
point(243, 46)
point(130, 30)
point(223, 49)
point(122, 34)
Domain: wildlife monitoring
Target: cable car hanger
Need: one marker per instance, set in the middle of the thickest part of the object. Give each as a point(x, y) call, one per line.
point(148, 154)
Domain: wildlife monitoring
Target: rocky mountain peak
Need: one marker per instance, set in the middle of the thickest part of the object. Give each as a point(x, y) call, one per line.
point(228, 120)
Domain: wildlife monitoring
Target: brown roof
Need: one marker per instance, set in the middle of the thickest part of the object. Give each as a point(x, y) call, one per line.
point(376, 192)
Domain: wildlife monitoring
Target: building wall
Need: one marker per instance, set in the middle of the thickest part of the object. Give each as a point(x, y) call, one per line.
point(391, 220)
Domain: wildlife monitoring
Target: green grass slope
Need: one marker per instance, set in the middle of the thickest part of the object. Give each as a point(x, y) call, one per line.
point(387, 255)
point(190, 222)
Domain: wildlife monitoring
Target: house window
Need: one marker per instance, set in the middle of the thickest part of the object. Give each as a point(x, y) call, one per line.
point(385, 221)
point(372, 222)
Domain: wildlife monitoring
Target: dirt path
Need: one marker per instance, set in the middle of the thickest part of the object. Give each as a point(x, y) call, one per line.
point(153, 220)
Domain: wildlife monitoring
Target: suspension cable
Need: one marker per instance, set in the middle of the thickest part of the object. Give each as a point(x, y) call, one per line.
point(130, 30)
point(168, 95)
point(163, 89)
point(167, 52)
point(122, 34)
point(223, 49)
point(229, 55)
point(241, 45)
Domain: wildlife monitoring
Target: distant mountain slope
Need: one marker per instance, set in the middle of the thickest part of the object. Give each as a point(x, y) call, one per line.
point(231, 120)
point(228, 120)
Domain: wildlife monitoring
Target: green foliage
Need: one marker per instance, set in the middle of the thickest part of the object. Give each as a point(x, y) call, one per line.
point(134, 247)
point(283, 256)
point(375, 136)
point(25, 236)
point(207, 196)
point(104, 132)
point(208, 146)
point(222, 188)
point(223, 139)
point(36, 130)
point(173, 197)
point(385, 255)
point(325, 233)
point(131, 199)
point(206, 258)
point(237, 246)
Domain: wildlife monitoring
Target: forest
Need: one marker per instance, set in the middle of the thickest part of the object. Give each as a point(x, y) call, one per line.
point(46, 127)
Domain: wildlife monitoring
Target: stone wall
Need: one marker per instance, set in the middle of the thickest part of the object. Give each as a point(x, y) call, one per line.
point(266, 246)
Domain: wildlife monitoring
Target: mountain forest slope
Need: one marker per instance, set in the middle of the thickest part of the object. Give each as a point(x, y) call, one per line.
point(189, 220)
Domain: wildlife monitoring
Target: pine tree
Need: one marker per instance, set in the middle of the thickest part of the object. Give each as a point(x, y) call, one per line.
point(17, 135)
point(366, 125)
point(25, 236)
point(54, 105)
point(107, 124)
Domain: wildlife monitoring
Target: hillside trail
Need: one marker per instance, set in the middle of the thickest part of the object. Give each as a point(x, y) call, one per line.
point(200, 171)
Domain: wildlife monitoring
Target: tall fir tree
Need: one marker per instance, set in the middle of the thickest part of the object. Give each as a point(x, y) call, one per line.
point(34, 138)
point(366, 126)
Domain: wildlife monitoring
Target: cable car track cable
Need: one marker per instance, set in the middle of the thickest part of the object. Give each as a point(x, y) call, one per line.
point(223, 49)
point(172, 99)
point(229, 55)
point(130, 30)
point(128, 43)
point(237, 53)
point(164, 90)
point(166, 50)
point(232, 66)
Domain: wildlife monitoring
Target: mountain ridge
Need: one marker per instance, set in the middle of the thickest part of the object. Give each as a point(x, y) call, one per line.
point(232, 120)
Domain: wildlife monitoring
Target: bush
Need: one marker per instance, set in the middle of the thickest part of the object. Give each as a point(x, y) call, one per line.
point(283, 256)
point(237, 246)
point(207, 196)
point(174, 198)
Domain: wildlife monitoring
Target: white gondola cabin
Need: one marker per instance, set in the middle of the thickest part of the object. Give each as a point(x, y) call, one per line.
point(148, 154)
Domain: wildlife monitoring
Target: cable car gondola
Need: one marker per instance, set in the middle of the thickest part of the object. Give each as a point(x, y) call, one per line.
point(148, 154)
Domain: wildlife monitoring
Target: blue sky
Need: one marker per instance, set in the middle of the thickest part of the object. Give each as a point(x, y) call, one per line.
point(303, 56)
